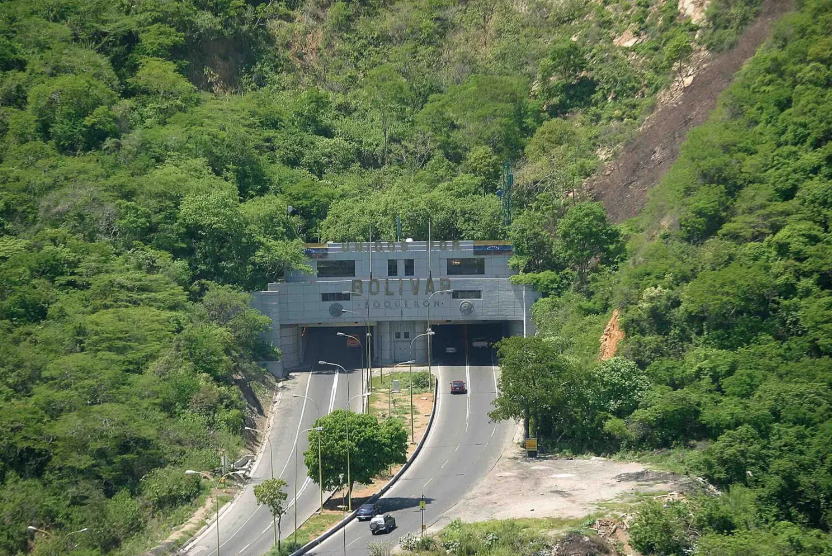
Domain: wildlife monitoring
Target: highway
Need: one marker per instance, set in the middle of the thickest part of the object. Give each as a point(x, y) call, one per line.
point(245, 527)
point(460, 449)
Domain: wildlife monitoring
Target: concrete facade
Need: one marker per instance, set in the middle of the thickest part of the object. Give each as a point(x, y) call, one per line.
point(392, 286)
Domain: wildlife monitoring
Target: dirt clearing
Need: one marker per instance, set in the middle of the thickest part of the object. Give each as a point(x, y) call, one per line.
point(519, 487)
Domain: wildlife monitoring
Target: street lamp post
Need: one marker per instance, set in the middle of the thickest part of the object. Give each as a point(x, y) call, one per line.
point(216, 496)
point(430, 371)
point(347, 426)
point(362, 363)
point(345, 374)
point(50, 535)
point(367, 324)
point(320, 469)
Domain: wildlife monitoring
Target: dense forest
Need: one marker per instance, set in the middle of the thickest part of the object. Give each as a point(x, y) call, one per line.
point(726, 304)
point(160, 158)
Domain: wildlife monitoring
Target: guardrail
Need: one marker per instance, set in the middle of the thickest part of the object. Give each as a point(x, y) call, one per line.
point(344, 522)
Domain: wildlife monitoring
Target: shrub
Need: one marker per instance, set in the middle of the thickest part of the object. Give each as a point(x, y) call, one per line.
point(169, 487)
point(380, 548)
point(421, 379)
point(661, 529)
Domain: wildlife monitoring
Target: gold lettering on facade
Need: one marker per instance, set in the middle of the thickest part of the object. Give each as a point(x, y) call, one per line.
point(404, 246)
point(429, 289)
point(387, 287)
point(357, 287)
point(414, 285)
point(444, 284)
point(374, 286)
point(401, 286)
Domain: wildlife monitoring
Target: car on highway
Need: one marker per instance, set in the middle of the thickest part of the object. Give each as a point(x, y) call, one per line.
point(458, 387)
point(450, 349)
point(479, 343)
point(368, 511)
point(384, 523)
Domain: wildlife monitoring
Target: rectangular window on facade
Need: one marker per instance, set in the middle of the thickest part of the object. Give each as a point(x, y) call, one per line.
point(392, 267)
point(336, 269)
point(398, 335)
point(466, 294)
point(335, 296)
point(466, 266)
point(406, 335)
point(408, 267)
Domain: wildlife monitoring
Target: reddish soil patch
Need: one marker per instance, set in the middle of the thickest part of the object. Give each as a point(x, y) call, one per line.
point(624, 184)
point(610, 338)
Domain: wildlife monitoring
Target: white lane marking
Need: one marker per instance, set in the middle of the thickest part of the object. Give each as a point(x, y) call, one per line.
point(493, 431)
point(457, 448)
point(244, 548)
point(353, 542)
point(426, 484)
point(467, 393)
point(444, 464)
point(496, 388)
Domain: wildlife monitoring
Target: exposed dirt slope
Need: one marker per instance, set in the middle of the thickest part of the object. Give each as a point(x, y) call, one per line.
point(610, 338)
point(624, 184)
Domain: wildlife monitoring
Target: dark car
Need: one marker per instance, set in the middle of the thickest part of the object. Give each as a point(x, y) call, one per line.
point(368, 511)
point(458, 387)
point(384, 523)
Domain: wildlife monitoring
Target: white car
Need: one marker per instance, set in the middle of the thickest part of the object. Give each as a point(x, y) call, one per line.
point(450, 349)
point(479, 343)
point(381, 523)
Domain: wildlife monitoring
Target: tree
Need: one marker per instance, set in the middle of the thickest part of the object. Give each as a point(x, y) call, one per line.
point(373, 447)
point(586, 237)
point(533, 381)
point(270, 492)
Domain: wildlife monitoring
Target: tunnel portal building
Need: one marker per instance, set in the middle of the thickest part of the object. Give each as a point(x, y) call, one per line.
point(394, 289)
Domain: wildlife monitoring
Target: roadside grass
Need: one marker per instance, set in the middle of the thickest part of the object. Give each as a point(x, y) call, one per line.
point(675, 460)
point(397, 404)
point(509, 537)
point(311, 529)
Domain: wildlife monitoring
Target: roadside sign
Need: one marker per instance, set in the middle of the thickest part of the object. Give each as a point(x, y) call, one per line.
point(531, 447)
point(352, 342)
point(421, 504)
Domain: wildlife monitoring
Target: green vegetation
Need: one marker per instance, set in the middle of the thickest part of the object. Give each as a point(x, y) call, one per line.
point(157, 158)
point(521, 537)
point(725, 302)
point(373, 447)
point(271, 493)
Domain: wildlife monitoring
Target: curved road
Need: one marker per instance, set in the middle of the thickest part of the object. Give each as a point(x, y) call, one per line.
point(245, 527)
point(460, 449)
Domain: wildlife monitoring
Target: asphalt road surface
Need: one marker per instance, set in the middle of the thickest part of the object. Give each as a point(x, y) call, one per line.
point(461, 447)
point(245, 527)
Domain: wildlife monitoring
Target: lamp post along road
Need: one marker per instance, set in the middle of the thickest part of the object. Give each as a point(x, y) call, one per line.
point(363, 389)
point(369, 335)
point(205, 475)
point(320, 469)
point(430, 370)
point(429, 333)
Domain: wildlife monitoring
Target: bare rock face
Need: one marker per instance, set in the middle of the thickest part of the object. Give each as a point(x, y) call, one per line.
point(694, 9)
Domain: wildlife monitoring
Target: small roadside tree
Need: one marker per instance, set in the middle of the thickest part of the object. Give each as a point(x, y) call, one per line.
point(270, 492)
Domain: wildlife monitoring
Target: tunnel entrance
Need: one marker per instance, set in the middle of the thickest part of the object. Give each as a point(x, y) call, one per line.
point(323, 343)
point(451, 341)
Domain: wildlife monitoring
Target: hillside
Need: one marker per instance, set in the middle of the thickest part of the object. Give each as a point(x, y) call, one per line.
point(724, 371)
point(159, 158)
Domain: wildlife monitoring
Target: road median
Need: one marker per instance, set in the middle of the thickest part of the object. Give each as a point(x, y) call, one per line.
point(344, 522)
